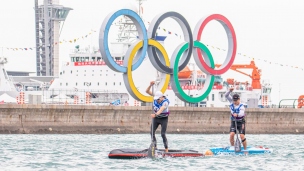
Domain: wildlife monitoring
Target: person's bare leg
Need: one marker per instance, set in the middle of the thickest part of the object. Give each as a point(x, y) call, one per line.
point(243, 138)
point(232, 138)
point(244, 142)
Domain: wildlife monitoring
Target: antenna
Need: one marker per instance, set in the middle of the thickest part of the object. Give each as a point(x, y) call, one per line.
point(139, 4)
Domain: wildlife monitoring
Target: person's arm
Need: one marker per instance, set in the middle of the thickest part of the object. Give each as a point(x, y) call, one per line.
point(227, 95)
point(160, 110)
point(242, 112)
point(149, 87)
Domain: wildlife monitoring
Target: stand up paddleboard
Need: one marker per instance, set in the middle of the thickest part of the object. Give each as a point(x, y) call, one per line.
point(230, 151)
point(143, 153)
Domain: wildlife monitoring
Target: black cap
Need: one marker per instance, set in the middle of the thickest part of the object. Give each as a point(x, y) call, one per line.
point(236, 97)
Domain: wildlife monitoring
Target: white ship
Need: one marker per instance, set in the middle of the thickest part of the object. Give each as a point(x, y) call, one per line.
point(86, 79)
point(88, 73)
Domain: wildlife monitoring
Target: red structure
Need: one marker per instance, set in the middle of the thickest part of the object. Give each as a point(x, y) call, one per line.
point(301, 101)
point(255, 75)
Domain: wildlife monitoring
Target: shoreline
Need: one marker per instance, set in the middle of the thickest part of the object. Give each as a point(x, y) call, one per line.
point(85, 119)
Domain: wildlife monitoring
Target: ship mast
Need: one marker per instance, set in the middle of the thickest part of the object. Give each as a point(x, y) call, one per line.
point(127, 31)
point(139, 8)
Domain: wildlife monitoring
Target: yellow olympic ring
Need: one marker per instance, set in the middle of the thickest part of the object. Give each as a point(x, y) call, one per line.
point(132, 54)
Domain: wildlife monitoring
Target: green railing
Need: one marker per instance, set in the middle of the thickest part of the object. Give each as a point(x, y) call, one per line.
point(294, 100)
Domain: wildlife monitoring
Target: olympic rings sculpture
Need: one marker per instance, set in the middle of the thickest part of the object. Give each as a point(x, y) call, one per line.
point(159, 57)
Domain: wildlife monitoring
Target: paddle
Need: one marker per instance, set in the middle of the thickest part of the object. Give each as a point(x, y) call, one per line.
point(237, 144)
point(151, 150)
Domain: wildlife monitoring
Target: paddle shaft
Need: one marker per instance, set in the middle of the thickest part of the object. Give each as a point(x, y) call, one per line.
point(151, 150)
point(152, 129)
point(235, 123)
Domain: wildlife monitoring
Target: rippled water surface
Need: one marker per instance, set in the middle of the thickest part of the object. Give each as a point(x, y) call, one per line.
point(90, 152)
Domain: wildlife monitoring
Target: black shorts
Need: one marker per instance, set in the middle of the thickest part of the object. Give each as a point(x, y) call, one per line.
point(240, 127)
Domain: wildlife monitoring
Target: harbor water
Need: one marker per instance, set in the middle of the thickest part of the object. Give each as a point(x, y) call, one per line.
point(90, 152)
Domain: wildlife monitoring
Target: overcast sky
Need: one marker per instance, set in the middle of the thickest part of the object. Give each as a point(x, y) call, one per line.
point(270, 31)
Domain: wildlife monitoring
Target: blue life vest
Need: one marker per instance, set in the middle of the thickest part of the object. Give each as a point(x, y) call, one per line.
point(157, 106)
point(237, 111)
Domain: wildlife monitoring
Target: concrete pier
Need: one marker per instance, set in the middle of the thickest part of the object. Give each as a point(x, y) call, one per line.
point(89, 119)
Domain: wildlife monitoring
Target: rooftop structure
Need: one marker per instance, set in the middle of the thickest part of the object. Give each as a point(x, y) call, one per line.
point(48, 17)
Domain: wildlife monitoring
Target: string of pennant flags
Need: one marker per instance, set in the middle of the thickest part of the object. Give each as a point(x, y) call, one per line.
point(267, 61)
point(164, 30)
point(240, 54)
point(75, 39)
point(55, 43)
point(16, 49)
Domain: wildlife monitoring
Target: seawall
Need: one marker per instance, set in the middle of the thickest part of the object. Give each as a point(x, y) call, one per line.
point(85, 119)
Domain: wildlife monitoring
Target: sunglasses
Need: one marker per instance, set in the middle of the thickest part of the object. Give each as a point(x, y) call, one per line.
point(159, 98)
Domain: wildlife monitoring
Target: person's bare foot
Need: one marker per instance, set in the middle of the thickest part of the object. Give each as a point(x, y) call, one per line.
point(166, 150)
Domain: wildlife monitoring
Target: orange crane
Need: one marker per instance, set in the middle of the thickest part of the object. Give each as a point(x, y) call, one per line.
point(255, 75)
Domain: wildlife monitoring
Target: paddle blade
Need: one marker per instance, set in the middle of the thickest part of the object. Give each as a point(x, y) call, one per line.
point(151, 150)
point(237, 145)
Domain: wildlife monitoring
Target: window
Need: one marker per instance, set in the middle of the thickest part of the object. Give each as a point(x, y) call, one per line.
point(92, 74)
point(114, 83)
point(212, 97)
point(63, 72)
point(76, 84)
point(106, 83)
point(71, 71)
point(60, 84)
point(119, 83)
point(66, 84)
point(98, 83)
